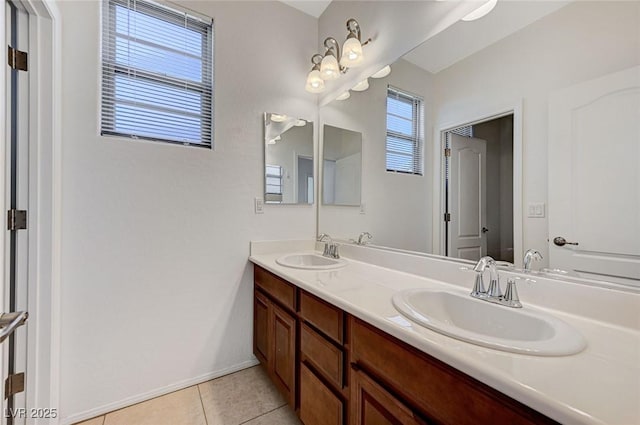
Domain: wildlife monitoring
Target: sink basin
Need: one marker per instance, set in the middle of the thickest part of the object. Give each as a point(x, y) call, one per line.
point(478, 322)
point(310, 261)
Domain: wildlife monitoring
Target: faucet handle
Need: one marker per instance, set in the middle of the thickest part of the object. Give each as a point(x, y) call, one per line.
point(511, 295)
point(478, 287)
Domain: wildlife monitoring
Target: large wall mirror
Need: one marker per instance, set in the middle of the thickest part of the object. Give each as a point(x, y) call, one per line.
point(288, 160)
point(520, 130)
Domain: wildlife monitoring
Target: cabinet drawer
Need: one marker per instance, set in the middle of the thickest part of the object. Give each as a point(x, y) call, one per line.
point(439, 391)
point(322, 354)
point(275, 287)
point(318, 405)
point(325, 317)
point(372, 404)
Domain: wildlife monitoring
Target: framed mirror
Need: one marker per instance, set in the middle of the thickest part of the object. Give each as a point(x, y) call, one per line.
point(341, 166)
point(526, 136)
point(288, 160)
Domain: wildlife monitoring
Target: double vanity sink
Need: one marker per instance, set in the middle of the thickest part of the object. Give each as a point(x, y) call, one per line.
point(455, 314)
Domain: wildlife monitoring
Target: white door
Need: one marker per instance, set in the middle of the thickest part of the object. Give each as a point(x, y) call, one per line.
point(467, 198)
point(594, 178)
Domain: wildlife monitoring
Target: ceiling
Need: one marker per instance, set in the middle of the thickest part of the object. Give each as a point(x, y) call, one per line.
point(310, 7)
point(463, 39)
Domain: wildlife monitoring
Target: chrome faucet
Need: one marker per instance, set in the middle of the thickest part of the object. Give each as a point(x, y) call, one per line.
point(361, 238)
point(494, 293)
point(494, 284)
point(530, 256)
point(330, 247)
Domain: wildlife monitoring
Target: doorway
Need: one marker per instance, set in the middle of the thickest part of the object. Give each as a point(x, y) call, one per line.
point(479, 190)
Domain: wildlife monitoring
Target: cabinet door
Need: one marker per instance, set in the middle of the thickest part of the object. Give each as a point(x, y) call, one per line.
point(283, 362)
point(372, 405)
point(318, 405)
point(261, 328)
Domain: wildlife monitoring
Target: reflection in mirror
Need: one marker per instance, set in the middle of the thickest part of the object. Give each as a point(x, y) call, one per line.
point(532, 141)
point(341, 166)
point(288, 155)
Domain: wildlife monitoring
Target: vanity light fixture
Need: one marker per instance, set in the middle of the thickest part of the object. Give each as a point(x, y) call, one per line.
point(344, 96)
point(362, 85)
point(481, 11)
point(315, 83)
point(335, 62)
point(329, 67)
point(382, 73)
point(352, 48)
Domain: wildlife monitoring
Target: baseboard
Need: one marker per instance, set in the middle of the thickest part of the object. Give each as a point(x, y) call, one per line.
point(98, 411)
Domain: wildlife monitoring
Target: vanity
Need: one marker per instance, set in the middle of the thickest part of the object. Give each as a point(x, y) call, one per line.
point(340, 353)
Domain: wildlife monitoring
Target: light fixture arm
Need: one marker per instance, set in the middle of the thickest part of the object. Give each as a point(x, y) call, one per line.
point(332, 46)
point(316, 60)
point(354, 29)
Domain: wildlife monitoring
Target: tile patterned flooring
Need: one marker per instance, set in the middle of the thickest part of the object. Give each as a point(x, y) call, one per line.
point(246, 397)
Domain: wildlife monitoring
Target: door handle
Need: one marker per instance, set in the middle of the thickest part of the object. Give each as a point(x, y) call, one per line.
point(9, 322)
point(560, 241)
point(485, 230)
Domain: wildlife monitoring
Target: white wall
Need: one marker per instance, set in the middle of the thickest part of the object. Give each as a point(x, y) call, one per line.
point(391, 200)
point(156, 287)
point(579, 42)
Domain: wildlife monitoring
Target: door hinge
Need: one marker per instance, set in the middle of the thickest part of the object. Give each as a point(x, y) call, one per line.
point(14, 384)
point(16, 219)
point(447, 216)
point(447, 152)
point(17, 59)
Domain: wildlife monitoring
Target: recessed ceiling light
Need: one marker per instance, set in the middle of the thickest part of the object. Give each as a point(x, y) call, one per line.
point(278, 117)
point(300, 123)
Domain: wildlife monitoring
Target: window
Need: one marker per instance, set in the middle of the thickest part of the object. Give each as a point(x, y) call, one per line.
point(273, 186)
point(157, 73)
point(405, 132)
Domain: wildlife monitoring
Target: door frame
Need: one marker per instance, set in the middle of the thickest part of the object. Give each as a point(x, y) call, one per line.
point(43, 340)
point(479, 114)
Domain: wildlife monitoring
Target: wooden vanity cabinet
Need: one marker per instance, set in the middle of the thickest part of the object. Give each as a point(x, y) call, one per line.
point(335, 369)
point(434, 390)
point(275, 335)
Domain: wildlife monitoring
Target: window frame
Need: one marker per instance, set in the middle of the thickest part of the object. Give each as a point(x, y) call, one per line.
point(110, 69)
point(417, 125)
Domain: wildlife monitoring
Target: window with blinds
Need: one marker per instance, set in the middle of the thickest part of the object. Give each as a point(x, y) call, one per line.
point(157, 73)
point(405, 132)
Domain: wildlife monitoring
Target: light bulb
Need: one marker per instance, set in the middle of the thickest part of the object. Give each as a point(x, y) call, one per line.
point(315, 84)
point(361, 86)
point(382, 73)
point(344, 96)
point(329, 68)
point(351, 53)
point(481, 11)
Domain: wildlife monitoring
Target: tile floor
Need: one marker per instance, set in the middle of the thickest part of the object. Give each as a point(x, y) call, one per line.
point(246, 397)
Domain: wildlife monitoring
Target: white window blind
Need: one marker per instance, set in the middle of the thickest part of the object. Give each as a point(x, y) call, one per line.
point(157, 73)
point(404, 132)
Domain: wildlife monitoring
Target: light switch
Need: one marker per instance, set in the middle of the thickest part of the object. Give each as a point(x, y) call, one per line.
point(259, 206)
point(536, 210)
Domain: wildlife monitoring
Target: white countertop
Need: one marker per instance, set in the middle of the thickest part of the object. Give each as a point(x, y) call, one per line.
point(600, 385)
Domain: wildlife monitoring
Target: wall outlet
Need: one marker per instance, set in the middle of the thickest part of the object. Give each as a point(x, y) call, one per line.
point(259, 206)
point(536, 210)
